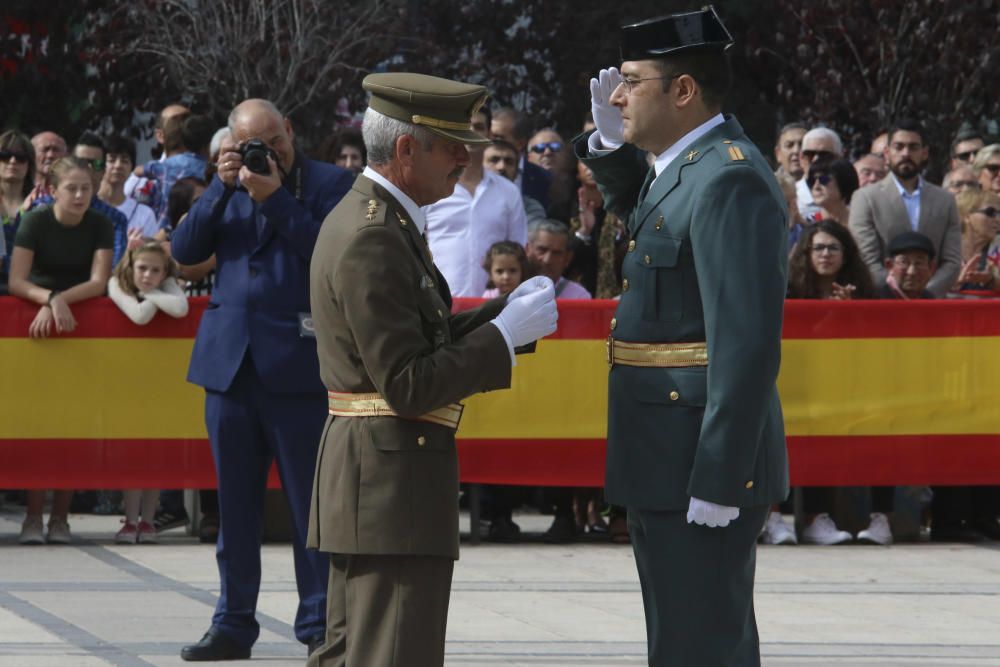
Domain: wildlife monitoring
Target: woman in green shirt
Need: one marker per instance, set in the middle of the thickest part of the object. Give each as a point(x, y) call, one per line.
point(62, 255)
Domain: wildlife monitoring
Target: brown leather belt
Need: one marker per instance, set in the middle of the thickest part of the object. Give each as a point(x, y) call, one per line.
point(373, 405)
point(656, 355)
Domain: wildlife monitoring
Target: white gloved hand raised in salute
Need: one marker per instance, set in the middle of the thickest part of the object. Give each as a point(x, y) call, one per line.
point(706, 513)
point(529, 315)
point(607, 117)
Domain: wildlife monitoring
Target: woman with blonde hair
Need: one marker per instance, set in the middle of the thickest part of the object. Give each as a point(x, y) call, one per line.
point(979, 211)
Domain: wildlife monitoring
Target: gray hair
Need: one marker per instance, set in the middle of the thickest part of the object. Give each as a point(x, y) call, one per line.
point(380, 133)
point(549, 226)
point(216, 144)
point(825, 133)
point(238, 111)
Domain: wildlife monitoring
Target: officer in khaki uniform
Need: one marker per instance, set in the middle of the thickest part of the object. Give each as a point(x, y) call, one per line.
point(696, 447)
point(395, 363)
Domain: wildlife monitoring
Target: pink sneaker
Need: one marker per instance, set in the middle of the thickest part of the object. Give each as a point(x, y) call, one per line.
point(127, 534)
point(146, 533)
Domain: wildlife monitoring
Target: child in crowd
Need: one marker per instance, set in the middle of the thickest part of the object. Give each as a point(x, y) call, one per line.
point(507, 265)
point(142, 283)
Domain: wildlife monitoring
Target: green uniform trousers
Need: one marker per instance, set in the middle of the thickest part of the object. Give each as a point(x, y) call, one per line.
point(385, 611)
point(697, 588)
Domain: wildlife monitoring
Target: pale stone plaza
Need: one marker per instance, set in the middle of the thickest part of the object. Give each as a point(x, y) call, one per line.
point(98, 603)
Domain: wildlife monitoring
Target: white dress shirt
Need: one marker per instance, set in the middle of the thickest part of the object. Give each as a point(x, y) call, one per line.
point(461, 228)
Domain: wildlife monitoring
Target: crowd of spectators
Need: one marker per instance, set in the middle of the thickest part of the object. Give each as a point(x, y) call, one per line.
point(88, 221)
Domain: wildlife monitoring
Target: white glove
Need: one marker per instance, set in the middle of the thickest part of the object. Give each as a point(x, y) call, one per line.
point(530, 286)
point(607, 117)
point(705, 513)
point(529, 318)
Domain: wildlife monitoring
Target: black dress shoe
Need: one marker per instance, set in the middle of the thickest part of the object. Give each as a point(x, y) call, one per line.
point(562, 530)
point(215, 646)
point(988, 527)
point(956, 534)
point(315, 643)
point(504, 531)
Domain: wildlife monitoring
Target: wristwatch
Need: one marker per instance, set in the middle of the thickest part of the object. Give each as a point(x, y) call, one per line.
point(53, 294)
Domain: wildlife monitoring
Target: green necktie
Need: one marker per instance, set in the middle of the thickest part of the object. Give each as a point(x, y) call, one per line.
point(650, 177)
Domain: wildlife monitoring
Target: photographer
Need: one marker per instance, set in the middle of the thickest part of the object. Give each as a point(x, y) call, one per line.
point(256, 358)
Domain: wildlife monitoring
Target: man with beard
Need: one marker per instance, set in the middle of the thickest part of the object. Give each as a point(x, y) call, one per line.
point(902, 202)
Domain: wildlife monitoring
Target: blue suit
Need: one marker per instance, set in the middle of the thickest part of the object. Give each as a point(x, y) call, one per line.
point(263, 396)
point(535, 183)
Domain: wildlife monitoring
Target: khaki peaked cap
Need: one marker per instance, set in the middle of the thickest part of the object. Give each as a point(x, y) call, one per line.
point(441, 106)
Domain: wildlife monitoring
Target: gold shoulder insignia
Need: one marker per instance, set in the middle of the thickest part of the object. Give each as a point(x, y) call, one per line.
point(402, 220)
point(736, 154)
point(372, 209)
point(727, 141)
point(690, 156)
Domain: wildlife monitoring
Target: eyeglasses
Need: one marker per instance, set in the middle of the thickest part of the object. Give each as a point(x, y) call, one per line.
point(97, 164)
point(5, 156)
point(992, 168)
point(832, 248)
point(822, 179)
point(966, 156)
point(905, 263)
point(554, 146)
point(811, 155)
point(989, 211)
point(631, 83)
point(965, 185)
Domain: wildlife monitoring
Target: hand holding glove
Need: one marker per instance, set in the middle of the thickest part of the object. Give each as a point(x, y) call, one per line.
point(607, 117)
point(530, 286)
point(705, 513)
point(527, 318)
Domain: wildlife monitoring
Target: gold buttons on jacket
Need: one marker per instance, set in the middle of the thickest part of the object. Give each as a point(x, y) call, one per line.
point(614, 323)
point(749, 484)
point(631, 245)
point(625, 285)
point(674, 396)
point(647, 259)
point(421, 441)
point(659, 223)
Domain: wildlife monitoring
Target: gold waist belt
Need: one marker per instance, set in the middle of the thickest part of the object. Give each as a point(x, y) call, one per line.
point(656, 355)
point(373, 405)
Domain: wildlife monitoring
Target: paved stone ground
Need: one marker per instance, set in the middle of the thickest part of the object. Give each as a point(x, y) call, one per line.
point(97, 603)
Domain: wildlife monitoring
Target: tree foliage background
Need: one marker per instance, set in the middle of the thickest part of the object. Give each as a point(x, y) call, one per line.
point(854, 65)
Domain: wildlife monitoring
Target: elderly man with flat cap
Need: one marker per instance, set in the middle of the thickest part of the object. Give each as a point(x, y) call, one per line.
point(396, 363)
point(696, 446)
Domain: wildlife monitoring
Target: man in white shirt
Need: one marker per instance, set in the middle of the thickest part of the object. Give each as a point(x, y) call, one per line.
point(484, 208)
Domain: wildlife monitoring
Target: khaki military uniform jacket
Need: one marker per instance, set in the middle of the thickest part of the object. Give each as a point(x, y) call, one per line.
point(389, 485)
point(707, 262)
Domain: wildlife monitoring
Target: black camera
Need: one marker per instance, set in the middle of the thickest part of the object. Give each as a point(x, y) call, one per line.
point(254, 154)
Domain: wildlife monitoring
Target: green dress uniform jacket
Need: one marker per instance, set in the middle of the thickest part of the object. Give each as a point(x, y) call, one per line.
point(707, 262)
point(389, 485)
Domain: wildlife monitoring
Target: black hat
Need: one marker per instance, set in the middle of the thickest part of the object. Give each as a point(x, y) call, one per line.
point(911, 241)
point(667, 35)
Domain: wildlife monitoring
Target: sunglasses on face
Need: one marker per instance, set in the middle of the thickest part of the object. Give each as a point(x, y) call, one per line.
point(811, 155)
point(992, 168)
point(965, 185)
point(96, 164)
point(989, 211)
point(822, 179)
point(966, 156)
point(5, 156)
point(554, 146)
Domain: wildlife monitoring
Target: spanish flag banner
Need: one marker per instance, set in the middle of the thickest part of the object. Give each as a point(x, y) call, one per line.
point(874, 392)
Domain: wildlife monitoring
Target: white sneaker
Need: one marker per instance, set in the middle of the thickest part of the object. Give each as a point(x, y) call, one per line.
point(823, 530)
point(878, 531)
point(776, 531)
point(31, 531)
point(59, 531)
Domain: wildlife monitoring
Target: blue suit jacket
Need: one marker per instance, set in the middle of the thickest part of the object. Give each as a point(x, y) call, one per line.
point(535, 183)
point(261, 285)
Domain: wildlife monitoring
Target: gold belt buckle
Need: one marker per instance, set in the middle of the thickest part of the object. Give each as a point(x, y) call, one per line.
point(611, 352)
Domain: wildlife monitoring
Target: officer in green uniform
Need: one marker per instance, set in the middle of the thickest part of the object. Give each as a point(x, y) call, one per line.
point(396, 362)
point(696, 446)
